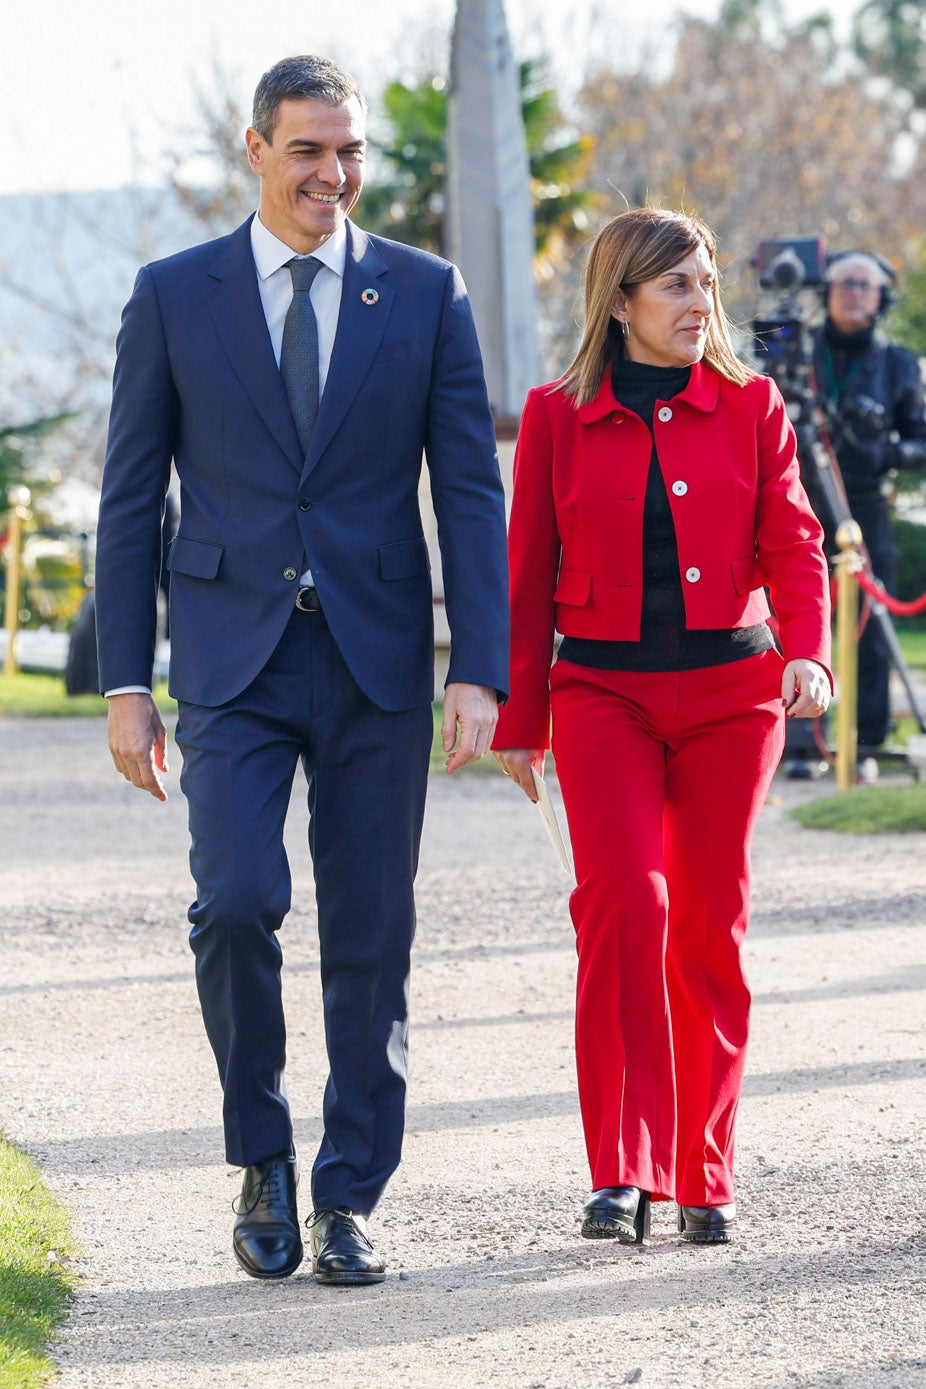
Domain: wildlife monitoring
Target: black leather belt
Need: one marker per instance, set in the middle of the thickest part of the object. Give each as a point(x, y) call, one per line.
point(308, 601)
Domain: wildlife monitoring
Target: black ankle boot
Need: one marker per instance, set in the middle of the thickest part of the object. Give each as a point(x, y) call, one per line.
point(617, 1212)
point(707, 1224)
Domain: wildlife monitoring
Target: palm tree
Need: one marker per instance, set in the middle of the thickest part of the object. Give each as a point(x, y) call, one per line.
point(408, 204)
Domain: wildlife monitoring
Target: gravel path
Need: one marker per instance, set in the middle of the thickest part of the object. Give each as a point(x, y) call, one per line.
point(106, 1078)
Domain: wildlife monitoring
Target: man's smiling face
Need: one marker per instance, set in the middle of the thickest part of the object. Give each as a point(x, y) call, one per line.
point(311, 171)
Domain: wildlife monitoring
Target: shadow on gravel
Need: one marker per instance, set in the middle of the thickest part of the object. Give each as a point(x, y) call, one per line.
point(427, 955)
point(889, 1373)
point(912, 978)
point(197, 1147)
point(865, 913)
point(229, 1321)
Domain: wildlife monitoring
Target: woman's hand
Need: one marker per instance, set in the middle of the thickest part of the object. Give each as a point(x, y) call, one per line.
point(517, 763)
point(805, 689)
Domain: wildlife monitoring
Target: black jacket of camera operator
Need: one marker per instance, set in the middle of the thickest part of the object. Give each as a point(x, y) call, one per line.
point(872, 392)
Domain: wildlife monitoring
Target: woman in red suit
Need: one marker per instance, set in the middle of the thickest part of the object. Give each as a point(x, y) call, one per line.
point(656, 494)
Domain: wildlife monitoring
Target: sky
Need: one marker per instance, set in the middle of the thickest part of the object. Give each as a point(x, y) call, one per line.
point(93, 93)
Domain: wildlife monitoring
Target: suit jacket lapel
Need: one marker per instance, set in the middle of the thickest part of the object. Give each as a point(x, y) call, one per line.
point(235, 306)
point(361, 325)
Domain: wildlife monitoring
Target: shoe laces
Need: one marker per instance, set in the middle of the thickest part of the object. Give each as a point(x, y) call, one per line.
point(341, 1213)
point(270, 1192)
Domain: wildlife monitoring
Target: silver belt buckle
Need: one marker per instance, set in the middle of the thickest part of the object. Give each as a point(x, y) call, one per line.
point(307, 600)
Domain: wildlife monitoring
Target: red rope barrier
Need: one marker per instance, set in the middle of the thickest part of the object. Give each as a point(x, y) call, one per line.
point(893, 605)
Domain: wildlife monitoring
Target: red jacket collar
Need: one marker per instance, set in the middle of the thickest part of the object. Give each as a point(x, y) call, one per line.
point(702, 392)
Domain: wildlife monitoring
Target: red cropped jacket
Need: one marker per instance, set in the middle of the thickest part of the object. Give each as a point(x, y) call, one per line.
point(742, 521)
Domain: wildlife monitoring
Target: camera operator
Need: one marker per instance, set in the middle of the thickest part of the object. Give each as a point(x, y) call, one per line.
point(872, 392)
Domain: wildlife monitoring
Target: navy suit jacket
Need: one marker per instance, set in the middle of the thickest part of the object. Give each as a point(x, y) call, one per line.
point(196, 382)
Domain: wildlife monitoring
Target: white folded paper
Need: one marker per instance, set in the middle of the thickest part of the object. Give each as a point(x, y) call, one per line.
point(551, 824)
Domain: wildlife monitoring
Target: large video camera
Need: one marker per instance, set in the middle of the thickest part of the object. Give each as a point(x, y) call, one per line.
point(783, 341)
point(787, 268)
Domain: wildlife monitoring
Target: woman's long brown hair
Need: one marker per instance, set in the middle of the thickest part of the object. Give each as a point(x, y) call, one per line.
point(632, 248)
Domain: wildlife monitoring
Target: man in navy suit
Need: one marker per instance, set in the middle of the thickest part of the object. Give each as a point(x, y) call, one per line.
point(301, 626)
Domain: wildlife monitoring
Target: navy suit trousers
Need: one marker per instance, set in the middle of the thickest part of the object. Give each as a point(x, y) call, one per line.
point(367, 777)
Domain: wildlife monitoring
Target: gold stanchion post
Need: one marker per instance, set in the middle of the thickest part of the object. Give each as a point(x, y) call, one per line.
point(848, 564)
point(19, 512)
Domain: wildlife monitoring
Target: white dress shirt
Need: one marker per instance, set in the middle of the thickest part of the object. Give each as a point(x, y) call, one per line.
point(276, 288)
point(276, 294)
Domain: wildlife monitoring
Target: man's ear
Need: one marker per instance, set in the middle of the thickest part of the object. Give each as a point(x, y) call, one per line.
point(255, 143)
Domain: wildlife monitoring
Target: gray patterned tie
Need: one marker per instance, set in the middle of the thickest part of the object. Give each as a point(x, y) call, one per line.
point(299, 353)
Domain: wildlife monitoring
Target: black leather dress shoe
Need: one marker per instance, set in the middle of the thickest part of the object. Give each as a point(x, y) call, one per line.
point(341, 1252)
point(617, 1212)
point(707, 1224)
point(266, 1239)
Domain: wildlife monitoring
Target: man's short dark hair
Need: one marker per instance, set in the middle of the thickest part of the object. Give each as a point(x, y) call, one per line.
point(299, 79)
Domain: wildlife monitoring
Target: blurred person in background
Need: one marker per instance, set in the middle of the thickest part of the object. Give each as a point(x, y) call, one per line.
point(872, 392)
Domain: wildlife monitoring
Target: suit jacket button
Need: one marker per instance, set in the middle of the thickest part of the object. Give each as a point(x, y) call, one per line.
point(680, 488)
point(618, 419)
point(305, 504)
point(665, 414)
point(290, 573)
point(692, 575)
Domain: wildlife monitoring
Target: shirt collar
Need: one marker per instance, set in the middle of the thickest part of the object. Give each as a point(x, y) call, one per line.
point(270, 253)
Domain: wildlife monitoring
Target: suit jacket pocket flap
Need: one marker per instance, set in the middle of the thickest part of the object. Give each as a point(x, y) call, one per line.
point(404, 559)
point(746, 574)
point(402, 347)
point(198, 558)
point(574, 587)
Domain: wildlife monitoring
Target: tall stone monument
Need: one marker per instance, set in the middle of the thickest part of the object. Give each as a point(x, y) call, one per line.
point(490, 216)
point(490, 235)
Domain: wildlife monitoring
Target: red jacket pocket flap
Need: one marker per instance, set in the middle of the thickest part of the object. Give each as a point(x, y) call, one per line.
point(746, 574)
point(574, 588)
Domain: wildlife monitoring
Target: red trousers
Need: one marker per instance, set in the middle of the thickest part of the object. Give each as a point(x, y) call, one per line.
point(663, 777)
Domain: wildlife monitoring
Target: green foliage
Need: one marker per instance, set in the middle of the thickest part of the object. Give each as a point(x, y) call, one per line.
point(910, 540)
point(907, 320)
point(409, 204)
point(890, 38)
point(52, 564)
point(19, 465)
point(34, 1286)
point(912, 644)
point(44, 697)
point(868, 810)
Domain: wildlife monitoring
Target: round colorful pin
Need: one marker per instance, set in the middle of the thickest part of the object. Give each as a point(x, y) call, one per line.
point(370, 296)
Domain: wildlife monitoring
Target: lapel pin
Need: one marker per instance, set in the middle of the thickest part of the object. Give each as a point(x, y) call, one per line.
point(370, 296)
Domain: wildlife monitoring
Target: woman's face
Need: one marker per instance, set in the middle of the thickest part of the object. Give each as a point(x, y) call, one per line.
point(669, 317)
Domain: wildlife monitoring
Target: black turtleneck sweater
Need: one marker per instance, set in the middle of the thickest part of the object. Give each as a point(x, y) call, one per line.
point(665, 642)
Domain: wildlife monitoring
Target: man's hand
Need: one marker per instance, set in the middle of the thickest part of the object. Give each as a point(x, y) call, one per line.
point(138, 741)
point(475, 709)
point(805, 689)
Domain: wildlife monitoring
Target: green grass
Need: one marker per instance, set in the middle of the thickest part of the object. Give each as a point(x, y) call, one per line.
point(913, 646)
point(868, 810)
point(34, 1289)
point(43, 697)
